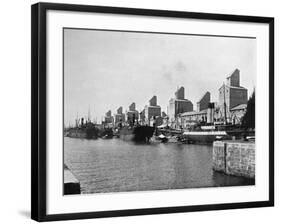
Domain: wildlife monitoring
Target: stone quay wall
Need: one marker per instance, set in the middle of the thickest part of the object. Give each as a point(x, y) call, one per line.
point(71, 184)
point(234, 158)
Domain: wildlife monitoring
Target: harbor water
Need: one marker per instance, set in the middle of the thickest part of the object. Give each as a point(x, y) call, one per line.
point(114, 165)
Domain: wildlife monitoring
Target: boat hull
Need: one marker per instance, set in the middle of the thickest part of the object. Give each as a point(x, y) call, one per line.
point(137, 134)
point(88, 133)
point(204, 137)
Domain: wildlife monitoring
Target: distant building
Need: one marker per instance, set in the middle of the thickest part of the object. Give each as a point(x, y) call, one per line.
point(178, 105)
point(132, 116)
point(120, 116)
point(237, 113)
point(120, 110)
point(193, 117)
point(152, 110)
point(203, 103)
point(201, 115)
point(232, 94)
point(108, 119)
point(156, 121)
point(204, 116)
point(132, 107)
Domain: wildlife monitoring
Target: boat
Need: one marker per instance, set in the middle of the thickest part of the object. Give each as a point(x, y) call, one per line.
point(207, 134)
point(162, 138)
point(107, 133)
point(125, 133)
point(88, 131)
point(139, 133)
point(174, 139)
point(159, 139)
point(204, 136)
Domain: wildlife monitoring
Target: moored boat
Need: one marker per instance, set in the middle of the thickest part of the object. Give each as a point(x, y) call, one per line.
point(206, 137)
point(88, 132)
point(140, 133)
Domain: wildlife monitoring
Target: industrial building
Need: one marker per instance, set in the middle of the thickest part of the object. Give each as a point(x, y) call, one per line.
point(108, 118)
point(119, 116)
point(132, 116)
point(232, 105)
point(230, 108)
point(203, 103)
point(231, 95)
point(152, 110)
point(178, 105)
point(237, 113)
point(201, 115)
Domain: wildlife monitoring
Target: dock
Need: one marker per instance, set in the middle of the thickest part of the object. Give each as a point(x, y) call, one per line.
point(234, 158)
point(71, 184)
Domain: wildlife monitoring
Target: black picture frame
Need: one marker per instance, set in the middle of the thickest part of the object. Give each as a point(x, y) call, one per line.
point(39, 108)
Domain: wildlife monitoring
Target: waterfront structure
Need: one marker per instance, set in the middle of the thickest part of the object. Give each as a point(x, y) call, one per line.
point(177, 106)
point(237, 113)
point(230, 109)
point(201, 115)
point(71, 185)
point(234, 158)
point(132, 116)
point(119, 117)
point(208, 116)
point(108, 119)
point(152, 111)
point(231, 95)
point(192, 117)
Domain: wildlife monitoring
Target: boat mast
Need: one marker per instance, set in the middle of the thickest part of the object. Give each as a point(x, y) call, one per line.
point(89, 114)
point(76, 120)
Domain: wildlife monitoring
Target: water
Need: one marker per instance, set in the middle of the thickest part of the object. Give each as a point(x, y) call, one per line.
point(114, 165)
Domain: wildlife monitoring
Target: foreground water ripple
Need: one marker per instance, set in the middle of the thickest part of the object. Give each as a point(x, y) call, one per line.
point(113, 165)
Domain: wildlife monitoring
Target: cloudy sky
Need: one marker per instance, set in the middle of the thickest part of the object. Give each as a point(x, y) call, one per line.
point(105, 69)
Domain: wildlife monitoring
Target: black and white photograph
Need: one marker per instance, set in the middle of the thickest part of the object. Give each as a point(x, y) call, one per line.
point(142, 111)
point(139, 111)
point(151, 111)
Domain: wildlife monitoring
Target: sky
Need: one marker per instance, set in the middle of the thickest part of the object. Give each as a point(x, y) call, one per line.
point(104, 70)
